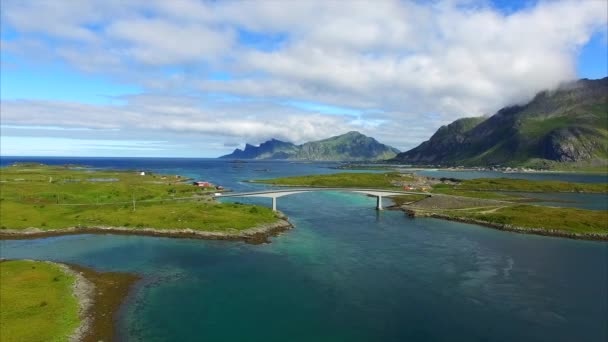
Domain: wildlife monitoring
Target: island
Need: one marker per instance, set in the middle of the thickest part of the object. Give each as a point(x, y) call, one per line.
point(40, 200)
point(483, 201)
point(60, 302)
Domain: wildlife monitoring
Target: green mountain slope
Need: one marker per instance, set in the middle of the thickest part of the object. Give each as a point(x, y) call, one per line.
point(349, 146)
point(565, 126)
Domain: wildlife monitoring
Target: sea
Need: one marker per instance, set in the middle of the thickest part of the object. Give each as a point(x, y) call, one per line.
point(346, 272)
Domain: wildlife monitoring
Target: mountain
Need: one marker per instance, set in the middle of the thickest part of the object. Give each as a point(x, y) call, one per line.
point(271, 149)
point(568, 125)
point(349, 146)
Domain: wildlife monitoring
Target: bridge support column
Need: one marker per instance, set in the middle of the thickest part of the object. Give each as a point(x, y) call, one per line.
point(274, 204)
point(379, 203)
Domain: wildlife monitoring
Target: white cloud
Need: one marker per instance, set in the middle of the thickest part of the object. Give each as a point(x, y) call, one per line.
point(405, 59)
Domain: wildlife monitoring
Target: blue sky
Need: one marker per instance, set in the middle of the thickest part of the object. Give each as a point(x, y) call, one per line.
point(196, 79)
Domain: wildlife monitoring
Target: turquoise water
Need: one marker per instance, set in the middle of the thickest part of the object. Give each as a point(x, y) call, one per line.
point(347, 273)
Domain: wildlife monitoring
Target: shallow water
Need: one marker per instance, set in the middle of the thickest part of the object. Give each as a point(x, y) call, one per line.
point(346, 273)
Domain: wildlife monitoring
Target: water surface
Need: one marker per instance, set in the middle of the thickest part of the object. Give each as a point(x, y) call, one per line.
point(345, 273)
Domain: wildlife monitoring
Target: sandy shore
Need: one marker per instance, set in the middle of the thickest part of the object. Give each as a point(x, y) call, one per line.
point(259, 234)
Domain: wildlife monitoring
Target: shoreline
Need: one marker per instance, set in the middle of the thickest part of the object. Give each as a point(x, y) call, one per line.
point(110, 289)
point(99, 295)
point(505, 227)
point(255, 235)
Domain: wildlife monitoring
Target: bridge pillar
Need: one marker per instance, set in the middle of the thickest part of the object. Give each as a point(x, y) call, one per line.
point(379, 203)
point(274, 204)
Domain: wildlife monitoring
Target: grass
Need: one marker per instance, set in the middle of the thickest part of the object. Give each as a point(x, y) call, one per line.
point(37, 302)
point(569, 220)
point(406, 199)
point(343, 180)
point(202, 216)
point(524, 185)
point(446, 189)
point(42, 184)
point(53, 197)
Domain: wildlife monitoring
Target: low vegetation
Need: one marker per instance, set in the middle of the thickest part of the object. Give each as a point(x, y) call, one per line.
point(407, 199)
point(486, 203)
point(37, 302)
point(569, 220)
point(54, 197)
point(343, 180)
point(524, 185)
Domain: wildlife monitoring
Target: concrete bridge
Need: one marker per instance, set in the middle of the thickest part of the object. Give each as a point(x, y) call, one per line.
point(274, 194)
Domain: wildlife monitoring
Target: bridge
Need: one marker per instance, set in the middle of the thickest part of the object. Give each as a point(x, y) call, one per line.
point(274, 194)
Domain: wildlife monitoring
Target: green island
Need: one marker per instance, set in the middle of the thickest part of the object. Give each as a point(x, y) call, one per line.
point(481, 201)
point(46, 301)
point(40, 200)
point(387, 180)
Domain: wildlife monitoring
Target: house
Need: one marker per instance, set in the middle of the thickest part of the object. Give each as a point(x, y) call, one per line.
point(202, 184)
point(142, 173)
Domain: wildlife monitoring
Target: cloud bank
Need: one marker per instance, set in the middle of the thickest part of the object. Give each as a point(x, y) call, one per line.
point(228, 71)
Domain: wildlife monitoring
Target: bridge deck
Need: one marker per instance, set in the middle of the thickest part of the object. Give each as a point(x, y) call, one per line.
point(291, 191)
point(274, 194)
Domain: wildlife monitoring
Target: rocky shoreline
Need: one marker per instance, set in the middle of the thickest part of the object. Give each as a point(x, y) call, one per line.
point(99, 296)
point(84, 291)
point(108, 292)
point(255, 235)
point(507, 227)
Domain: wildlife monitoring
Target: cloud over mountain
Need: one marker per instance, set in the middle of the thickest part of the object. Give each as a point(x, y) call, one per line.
point(228, 70)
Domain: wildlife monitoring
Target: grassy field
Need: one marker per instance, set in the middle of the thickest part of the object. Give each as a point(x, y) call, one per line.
point(343, 180)
point(509, 212)
point(451, 190)
point(52, 197)
point(528, 216)
point(478, 188)
point(37, 302)
point(524, 185)
point(406, 199)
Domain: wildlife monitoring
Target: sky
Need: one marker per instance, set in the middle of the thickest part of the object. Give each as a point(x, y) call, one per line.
point(190, 78)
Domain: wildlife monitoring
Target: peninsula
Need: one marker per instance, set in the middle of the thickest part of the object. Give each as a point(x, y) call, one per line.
point(480, 201)
point(40, 200)
point(60, 302)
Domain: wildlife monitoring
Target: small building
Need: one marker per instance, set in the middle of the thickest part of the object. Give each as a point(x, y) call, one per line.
point(219, 187)
point(202, 184)
point(142, 173)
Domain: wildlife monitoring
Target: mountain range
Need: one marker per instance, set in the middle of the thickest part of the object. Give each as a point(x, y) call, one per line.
point(351, 146)
point(568, 125)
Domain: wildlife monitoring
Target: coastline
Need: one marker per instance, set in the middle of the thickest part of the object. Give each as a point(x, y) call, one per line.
point(84, 290)
point(506, 227)
point(255, 235)
point(109, 291)
point(99, 296)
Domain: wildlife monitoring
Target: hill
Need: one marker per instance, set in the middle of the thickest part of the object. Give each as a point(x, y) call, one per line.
point(349, 146)
point(564, 127)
